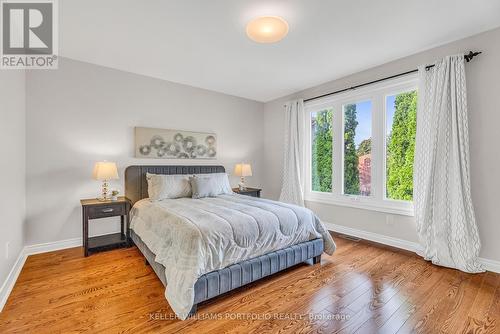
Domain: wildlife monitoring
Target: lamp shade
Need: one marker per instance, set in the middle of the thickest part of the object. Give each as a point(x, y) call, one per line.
point(105, 171)
point(243, 170)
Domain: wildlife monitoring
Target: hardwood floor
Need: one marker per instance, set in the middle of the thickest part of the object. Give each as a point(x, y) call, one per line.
point(362, 288)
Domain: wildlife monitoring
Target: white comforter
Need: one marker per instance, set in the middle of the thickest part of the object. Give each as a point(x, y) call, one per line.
point(192, 237)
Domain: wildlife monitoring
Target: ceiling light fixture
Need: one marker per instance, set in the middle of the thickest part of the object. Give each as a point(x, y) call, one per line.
point(267, 29)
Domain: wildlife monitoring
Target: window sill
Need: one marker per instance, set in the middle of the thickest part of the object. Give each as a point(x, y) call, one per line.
point(358, 202)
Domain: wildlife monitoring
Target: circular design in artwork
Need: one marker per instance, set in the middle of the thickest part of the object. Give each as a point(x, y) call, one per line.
point(211, 152)
point(172, 149)
point(189, 143)
point(183, 155)
point(210, 140)
point(193, 154)
point(201, 150)
point(157, 142)
point(145, 149)
point(178, 137)
point(161, 152)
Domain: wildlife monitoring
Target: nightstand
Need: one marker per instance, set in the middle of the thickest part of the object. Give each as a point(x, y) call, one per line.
point(95, 209)
point(254, 192)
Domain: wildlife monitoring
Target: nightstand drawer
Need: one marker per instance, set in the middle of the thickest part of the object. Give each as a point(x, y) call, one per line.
point(109, 210)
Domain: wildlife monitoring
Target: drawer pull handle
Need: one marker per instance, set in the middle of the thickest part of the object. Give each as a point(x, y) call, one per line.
point(107, 210)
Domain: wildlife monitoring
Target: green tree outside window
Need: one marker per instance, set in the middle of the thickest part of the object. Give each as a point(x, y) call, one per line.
point(401, 147)
point(351, 173)
point(322, 131)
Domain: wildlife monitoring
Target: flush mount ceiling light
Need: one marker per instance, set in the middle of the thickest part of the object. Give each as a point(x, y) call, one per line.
point(267, 29)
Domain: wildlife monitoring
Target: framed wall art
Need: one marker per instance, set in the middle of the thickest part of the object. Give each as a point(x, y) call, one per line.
point(174, 144)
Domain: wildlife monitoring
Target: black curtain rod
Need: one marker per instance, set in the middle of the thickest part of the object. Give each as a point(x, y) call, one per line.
point(468, 57)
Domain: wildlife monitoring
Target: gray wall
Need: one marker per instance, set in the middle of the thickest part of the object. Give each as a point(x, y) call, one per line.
point(12, 167)
point(483, 75)
point(83, 113)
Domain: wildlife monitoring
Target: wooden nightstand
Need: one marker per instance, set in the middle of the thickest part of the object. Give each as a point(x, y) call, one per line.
point(95, 209)
point(254, 192)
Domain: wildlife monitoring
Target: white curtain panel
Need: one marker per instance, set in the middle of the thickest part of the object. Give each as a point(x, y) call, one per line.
point(292, 189)
point(443, 207)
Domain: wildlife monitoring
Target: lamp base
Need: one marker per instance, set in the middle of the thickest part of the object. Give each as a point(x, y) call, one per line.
point(242, 185)
point(104, 192)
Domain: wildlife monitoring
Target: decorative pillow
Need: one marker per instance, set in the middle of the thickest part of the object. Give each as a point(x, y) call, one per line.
point(222, 181)
point(168, 186)
point(210, 185)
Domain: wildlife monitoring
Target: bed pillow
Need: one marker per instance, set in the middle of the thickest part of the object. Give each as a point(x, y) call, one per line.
point(168, 186)
point(222, 181)
point(210, 185)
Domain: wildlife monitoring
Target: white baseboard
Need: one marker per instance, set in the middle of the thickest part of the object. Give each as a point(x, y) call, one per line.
point(11, 279)
point(52, 246)
point(58, 245)
point(490, 265)
point(380, 238)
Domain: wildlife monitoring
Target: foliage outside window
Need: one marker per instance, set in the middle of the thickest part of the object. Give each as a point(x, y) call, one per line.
point(401, 145)
point(359, 149)
point(321, 158)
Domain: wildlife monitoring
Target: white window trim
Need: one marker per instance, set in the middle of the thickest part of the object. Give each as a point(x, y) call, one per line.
point(377, 94)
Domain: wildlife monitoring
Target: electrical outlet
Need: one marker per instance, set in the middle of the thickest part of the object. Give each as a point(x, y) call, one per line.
point(7, 245)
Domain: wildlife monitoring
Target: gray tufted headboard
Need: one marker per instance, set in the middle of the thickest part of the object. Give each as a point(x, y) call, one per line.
point(136, 186)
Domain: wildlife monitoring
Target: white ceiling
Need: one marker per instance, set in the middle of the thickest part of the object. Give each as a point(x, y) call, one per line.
point(202, 43)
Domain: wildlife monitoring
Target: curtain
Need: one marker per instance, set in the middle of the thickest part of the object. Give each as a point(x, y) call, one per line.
point(444, 214)
point(291, 191)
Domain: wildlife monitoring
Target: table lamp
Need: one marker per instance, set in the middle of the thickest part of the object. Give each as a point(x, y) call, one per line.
point(242, 170)
point(105, 171)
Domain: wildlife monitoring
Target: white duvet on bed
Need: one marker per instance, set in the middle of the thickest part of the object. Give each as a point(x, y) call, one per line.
point(192, 237)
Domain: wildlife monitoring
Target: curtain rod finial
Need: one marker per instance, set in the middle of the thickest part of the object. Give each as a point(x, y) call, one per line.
point(468, 57)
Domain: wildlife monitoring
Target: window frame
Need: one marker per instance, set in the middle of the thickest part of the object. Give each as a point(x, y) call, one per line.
point(377, 94)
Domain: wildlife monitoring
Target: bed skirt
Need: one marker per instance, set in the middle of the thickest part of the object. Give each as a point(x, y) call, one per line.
point(224, 280)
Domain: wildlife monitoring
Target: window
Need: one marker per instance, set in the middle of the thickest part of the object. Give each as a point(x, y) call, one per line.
point(361, 147)
point(357, 148)
point(321, 150)
point(401, 122)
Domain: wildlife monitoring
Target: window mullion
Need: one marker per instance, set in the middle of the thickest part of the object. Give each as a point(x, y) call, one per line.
point(377, 147)
point(338, 148)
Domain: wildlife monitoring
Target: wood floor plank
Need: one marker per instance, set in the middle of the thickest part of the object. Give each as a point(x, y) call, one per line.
point(421, 320)
point(363, 300)
point(375, 301)
point(390, 301)
point(486, 299)
point(363, 288)
point(418, 290)
point(456, 316)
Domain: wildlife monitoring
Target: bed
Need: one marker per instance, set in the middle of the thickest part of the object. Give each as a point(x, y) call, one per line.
point(206, 247)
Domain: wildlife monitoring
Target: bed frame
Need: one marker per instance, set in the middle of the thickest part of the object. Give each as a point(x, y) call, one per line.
point(224, 280)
